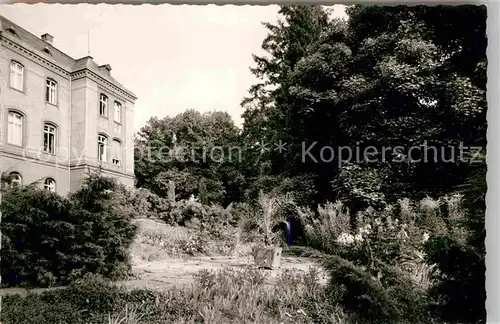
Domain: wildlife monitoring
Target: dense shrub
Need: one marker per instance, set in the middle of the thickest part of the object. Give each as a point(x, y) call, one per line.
point(403, 262)
point(375, 271)
point(213, 220)
point(360, 187)
point(51, 240)
point(379, 294)
point(461, 261)
point(88, 300)
point(212, 228)
point(322, 229)
point(142, 203)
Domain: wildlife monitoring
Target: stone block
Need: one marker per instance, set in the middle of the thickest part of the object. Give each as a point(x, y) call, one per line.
point(268, 257)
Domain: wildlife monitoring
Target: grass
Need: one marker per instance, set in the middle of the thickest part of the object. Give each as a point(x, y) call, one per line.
point(156, 241)
point(364, 281)
point(223, 296)
point(130, 315)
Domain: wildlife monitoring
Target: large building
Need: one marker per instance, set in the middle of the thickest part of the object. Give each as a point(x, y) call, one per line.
point(60, 117)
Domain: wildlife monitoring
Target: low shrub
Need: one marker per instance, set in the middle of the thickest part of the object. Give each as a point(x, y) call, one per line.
point(406, 262)
point(224, 296)
point(321, 230)
point(212, 223)
point(389, 296)
point(84, 301)
point(156, 240)
point(460, 257)
point(207, 223)
point(143, 203)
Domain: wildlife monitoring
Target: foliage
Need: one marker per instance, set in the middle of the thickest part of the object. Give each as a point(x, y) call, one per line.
point(212, 223)
point(141, 202)
point(48, 239)
point(386, 100)
point(387, 78)
point(321, 230)
point(199, 152)
point(462, 264)
point(393, 300)
point(423, 248)
point(407, 81)
point(225, 296)
point(268, 218)
point(157, 241)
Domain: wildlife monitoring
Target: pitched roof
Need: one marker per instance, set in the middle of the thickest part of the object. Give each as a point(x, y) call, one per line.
point(51, 53)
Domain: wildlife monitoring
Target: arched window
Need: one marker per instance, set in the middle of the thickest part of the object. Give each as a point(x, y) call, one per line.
point(102, 147)
point(15, 128)
point(118, 112)
point(15, 179)
point(49, 184)
point(117, 152)
point(17, 75)
point(49, 138)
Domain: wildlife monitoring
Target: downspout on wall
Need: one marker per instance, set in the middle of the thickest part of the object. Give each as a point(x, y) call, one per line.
point(69, 131)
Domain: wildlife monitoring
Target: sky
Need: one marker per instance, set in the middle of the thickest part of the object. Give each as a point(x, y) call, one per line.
point(172, 57)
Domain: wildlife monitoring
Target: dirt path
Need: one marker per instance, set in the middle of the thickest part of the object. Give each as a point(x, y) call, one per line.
point(169, 273)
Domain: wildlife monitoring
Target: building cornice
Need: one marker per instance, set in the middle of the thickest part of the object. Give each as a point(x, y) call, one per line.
point(37, 58)
point(63, 72)
point(32, 159)
point(94, 167)
point(116, 90)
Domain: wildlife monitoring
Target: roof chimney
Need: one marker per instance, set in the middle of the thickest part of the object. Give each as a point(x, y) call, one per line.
point(47, 38)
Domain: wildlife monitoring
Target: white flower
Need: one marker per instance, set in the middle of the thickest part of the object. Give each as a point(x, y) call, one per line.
point(425, 238)
point(403, 235)
point(345, 239)
point(358, 238)
point(365, 230)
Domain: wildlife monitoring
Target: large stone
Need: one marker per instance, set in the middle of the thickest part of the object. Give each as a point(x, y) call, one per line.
point(171, 191)
point(267, 257)
point(193, 223)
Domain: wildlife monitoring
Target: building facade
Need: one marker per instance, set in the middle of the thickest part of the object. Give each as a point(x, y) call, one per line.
point(60, 117)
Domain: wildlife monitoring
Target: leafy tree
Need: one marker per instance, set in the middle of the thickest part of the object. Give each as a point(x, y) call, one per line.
point(189, 149)
point(268, 116)
point(387, 78)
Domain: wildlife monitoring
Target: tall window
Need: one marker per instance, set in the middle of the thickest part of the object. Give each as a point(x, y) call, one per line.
point(49, 138)
point(15, 179)
point(117, 152)
point(17, 75)
point(103, 105)
point(49, 184)
point(102, 144)
point(118, 112)
point(51, 91)
point(15, 128)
